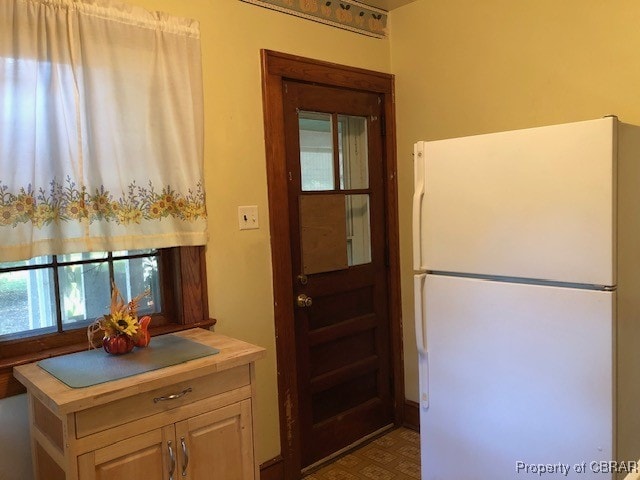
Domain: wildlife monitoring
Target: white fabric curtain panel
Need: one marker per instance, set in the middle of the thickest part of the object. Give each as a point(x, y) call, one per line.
point(101, 129)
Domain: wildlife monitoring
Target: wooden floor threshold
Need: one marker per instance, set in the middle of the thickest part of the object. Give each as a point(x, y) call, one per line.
point(322, 462)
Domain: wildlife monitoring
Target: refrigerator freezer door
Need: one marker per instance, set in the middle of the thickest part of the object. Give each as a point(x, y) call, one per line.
point(535, 203)
point(517, 373)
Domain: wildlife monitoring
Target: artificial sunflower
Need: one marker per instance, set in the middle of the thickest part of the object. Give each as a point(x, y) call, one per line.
point(120, 322)
point(122, 318)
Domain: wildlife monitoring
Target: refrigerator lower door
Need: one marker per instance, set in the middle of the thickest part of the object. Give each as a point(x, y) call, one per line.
point(519, 376)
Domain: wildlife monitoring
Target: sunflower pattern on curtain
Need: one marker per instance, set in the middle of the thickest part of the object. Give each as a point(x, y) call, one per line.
point(101, 129)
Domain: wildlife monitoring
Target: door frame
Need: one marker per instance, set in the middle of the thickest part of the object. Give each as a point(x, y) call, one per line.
point(277, 67)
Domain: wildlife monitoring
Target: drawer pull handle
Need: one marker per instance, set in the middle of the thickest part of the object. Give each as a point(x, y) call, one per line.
point(185, 455)
point(172, 458)
point(174, 396)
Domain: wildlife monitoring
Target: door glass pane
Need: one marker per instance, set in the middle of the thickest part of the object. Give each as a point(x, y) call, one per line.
point(358, 229)
point(323, 233)
point(353, 151)
point(316, 151)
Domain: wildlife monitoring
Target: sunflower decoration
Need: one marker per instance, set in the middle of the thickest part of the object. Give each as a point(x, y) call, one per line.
point(120, 322)
point(122, 319)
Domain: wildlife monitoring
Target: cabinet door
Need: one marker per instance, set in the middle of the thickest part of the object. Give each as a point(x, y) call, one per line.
point(217, 445)
point(145, 456)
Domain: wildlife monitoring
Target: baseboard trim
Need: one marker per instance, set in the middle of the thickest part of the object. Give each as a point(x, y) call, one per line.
point(412, 415)
point(272, 469)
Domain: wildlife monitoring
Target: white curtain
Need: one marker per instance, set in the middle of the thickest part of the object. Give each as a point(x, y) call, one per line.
point(101, 129)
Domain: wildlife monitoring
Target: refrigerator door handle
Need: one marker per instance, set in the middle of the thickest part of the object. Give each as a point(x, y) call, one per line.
point(418, 289)
point(418, 194)
point(424, 381)
point(423, 356)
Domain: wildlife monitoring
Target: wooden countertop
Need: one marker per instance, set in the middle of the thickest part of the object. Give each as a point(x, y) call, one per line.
point(62, 399)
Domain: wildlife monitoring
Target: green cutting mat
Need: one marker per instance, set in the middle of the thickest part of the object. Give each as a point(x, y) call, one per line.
point(92, 367)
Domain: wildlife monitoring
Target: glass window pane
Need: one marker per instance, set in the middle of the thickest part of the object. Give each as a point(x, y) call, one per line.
point(353, 151)
point(27, 296)
point(128, 253)
point(358, 229)
point(78, 257)
point(84, 291)
point(27, 302)
point(316, 151)
point(134, 276)
point(26, 263)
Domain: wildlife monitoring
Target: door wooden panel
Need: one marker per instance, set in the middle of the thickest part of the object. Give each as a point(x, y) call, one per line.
point(342, 338)
point(322, 233)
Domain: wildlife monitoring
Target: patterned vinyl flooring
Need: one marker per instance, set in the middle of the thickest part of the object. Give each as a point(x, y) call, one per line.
point(393, 456)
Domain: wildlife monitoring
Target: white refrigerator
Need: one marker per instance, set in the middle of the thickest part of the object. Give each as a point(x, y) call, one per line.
point(527, 300)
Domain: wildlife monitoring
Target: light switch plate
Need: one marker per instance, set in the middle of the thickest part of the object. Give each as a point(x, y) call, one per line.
point(248, 217)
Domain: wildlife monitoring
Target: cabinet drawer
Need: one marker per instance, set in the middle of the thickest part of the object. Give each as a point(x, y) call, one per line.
point(145, 404)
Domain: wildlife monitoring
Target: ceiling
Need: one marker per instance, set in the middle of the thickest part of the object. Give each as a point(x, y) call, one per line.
point(387, 4)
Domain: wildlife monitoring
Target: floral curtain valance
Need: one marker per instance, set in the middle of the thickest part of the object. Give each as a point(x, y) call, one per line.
point(101, 129)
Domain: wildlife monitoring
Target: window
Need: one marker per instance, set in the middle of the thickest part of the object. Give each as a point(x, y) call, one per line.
point(101, 158)
point(32, 329)
point(63, 292)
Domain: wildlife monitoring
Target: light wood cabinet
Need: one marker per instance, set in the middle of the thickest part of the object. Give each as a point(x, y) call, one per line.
point(141, 456)
point(192, 421)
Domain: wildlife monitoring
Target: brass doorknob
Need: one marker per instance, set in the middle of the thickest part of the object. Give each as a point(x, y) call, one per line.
point(304, 301)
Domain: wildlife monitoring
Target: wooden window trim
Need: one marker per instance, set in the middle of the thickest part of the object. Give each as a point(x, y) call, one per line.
point(185, 294)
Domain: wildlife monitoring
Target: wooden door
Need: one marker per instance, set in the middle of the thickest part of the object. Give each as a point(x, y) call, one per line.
point(150, 456)
point(217, 445)
point(334, 152)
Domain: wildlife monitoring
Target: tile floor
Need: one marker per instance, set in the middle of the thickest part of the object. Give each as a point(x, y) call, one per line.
point(393, 456)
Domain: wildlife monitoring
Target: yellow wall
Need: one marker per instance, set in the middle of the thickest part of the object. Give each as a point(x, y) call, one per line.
point(238, 263)
point(462, 67)
point(466, 67)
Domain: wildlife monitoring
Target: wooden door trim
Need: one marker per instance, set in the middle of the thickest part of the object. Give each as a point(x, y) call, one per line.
point(277, 67)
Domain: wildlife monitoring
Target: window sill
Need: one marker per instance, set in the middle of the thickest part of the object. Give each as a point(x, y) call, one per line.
point(9, 386)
